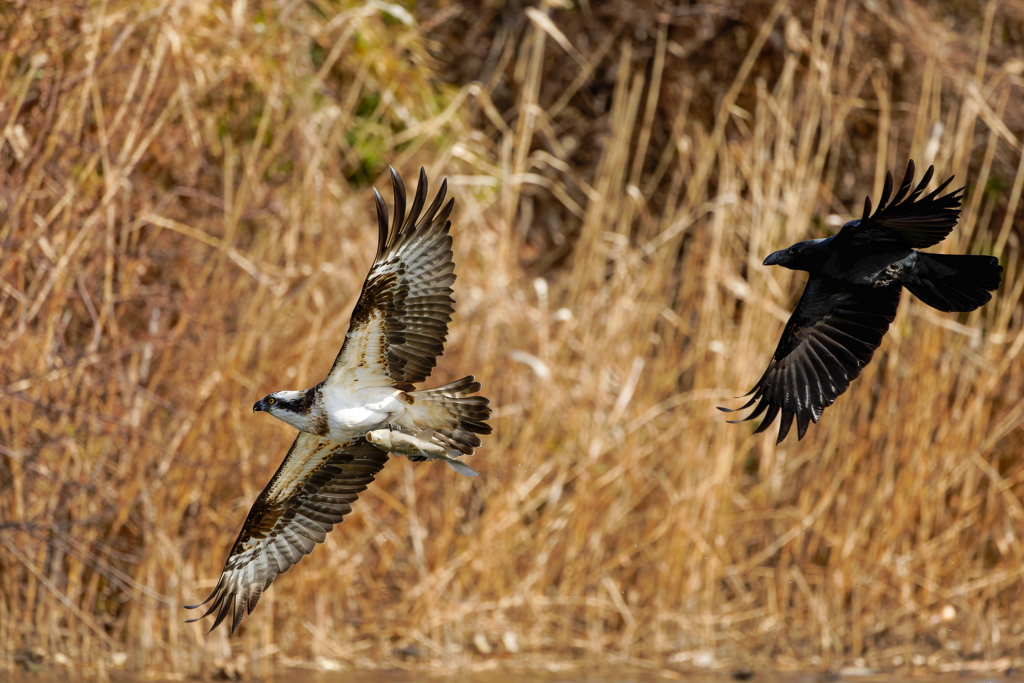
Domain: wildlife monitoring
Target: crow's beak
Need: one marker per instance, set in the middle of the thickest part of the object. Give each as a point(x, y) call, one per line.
point(258, 406)
point(774, 258)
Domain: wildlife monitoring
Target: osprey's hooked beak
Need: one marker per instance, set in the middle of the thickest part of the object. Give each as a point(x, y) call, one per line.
point(774, 258)
point(258, 406)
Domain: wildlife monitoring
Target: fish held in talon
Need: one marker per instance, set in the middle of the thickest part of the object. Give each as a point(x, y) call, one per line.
point(427, 445)
point(397, 330)
point(851, 296)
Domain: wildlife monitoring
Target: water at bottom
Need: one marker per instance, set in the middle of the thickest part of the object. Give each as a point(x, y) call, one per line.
point(598, 676)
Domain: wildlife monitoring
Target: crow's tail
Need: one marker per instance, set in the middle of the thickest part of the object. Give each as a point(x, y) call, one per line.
point(954, 282)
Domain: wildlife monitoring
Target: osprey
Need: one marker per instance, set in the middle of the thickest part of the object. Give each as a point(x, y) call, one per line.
point(856, 277)
point(396, 332)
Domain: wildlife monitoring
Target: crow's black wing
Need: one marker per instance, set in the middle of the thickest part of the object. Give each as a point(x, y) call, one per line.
point(909, 220)
point(830, 337)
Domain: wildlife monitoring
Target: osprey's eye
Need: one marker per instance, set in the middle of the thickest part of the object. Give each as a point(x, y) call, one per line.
point(271, 400)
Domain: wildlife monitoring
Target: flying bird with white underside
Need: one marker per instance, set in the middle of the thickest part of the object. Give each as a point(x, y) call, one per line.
point(366, 407)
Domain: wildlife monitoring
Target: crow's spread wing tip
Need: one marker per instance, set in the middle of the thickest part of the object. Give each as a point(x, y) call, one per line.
point(745, 405)
point(908, 218)
point(829, 338)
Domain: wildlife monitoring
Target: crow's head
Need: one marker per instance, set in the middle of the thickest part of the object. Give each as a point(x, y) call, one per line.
point(800, 256)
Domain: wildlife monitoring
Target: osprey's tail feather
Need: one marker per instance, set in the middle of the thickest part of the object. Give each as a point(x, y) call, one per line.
point(954, 282)
point(472, 412)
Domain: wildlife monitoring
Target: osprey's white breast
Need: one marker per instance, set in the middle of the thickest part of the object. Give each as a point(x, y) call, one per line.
point(354, 412)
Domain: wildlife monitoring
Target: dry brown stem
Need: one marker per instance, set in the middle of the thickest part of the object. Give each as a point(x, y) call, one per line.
point(184, 226)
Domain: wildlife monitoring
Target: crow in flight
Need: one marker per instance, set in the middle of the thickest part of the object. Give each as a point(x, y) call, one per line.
point(856, 277)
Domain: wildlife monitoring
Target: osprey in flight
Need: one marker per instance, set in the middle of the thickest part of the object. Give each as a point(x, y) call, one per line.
point(856, 277)
point(366, 407)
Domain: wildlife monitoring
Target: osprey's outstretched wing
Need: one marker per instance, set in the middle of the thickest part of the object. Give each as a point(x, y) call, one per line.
point(400, 322)
point(909, 220)
point(313, 490)
point(830, 337)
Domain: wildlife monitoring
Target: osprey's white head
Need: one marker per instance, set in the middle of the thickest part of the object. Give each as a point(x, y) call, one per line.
point(300, 409)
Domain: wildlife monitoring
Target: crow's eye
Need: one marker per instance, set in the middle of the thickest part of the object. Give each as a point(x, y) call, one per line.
point(271, 400)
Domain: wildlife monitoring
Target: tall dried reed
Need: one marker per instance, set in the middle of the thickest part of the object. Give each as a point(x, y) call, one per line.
point(185, 226)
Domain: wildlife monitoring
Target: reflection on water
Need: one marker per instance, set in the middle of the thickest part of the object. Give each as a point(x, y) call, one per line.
point(632, 677)
point(606, 676)
point(483, 677)
point(307, 676)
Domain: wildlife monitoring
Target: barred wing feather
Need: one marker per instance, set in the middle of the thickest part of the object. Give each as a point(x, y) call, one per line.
point(400, 323)
point(313, 490)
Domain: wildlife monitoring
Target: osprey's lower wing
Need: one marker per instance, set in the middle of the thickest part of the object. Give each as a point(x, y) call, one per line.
point(830, 337)
point(313, 490)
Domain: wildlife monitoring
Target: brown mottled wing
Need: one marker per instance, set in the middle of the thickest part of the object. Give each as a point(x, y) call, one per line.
point(313, 490)
point(830, 337)
point(908, 220)
point(400, 322)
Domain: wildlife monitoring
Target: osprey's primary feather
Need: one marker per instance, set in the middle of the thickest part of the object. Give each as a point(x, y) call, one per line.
point(397, 331)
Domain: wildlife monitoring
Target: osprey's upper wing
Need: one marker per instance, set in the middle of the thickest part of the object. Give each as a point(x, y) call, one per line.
point(400, 322)
point(908, 220)
point(831, 335)
point(313, 490)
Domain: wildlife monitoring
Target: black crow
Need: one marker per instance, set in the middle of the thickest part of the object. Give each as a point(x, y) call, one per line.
point(852, 294)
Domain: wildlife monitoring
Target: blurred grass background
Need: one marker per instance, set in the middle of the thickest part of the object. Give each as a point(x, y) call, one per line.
point(185, 222)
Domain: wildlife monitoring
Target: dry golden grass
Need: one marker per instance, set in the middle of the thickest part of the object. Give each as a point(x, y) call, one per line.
point(186, 222)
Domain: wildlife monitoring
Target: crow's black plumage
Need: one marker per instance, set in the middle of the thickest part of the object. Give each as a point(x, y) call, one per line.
point(856, 277)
